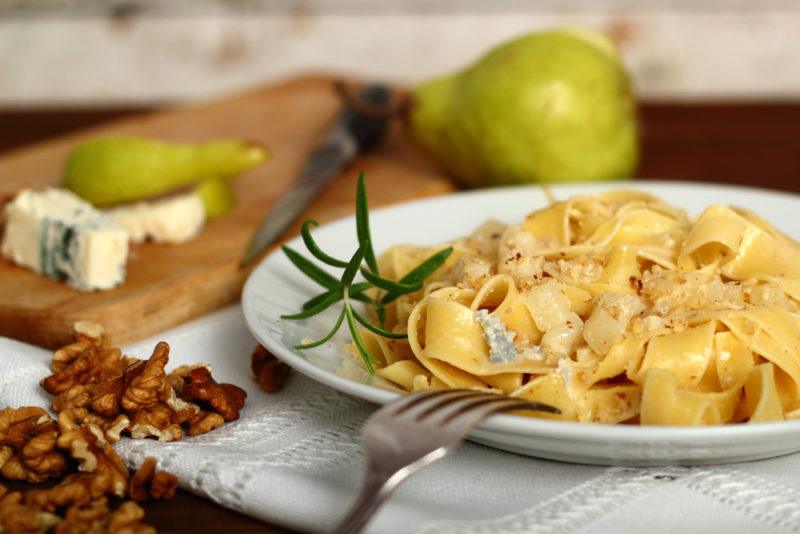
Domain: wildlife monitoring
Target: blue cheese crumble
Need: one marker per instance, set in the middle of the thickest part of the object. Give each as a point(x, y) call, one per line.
point(502, 348)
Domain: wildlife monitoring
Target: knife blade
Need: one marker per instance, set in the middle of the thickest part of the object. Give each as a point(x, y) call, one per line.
point(355, 131)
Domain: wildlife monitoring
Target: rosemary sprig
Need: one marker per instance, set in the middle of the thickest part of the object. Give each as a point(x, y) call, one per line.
point(345, 288)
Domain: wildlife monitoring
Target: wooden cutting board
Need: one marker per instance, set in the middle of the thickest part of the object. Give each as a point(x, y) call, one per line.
point(169, 284)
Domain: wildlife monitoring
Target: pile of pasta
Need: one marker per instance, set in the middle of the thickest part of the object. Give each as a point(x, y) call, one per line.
point(615, 308)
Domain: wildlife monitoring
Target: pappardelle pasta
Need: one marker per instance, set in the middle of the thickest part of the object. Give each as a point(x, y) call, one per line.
point(615, 308)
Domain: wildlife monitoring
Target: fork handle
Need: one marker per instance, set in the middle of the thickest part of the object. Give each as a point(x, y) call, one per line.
point(377, 486)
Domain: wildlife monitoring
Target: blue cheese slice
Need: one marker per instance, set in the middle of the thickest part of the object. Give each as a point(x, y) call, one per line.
point(170, 220)
point(55, 233)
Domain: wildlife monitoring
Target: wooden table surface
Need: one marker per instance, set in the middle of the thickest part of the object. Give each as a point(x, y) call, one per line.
point(741, 143)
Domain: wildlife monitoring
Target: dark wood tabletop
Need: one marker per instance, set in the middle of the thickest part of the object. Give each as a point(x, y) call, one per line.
point(739, 143)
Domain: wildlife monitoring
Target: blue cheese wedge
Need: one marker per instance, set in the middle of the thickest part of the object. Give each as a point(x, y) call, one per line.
point(55, 233)
point(170, 220)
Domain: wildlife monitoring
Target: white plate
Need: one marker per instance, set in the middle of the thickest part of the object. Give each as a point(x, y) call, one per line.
point(276, 287)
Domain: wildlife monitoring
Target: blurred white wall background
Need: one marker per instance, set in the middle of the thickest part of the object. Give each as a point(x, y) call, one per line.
point(83, 52)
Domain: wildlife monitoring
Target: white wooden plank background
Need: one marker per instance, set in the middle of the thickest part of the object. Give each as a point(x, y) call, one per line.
point(102, 52)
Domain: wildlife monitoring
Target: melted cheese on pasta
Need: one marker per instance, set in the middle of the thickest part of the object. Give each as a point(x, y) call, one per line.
point(616, 308)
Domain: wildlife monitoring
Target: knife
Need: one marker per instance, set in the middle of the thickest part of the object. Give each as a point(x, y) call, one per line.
point(357, 129)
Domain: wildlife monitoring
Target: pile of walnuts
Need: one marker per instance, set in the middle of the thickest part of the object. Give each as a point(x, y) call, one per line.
point(99, 395)
point(36, 448)
point(115, 394)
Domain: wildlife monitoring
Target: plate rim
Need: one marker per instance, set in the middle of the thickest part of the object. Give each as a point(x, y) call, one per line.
point(517, 425)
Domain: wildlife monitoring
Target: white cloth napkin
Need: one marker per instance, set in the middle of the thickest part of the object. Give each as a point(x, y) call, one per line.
point(294, 458)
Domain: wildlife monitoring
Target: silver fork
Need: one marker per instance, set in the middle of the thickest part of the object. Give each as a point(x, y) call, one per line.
point(415, 431)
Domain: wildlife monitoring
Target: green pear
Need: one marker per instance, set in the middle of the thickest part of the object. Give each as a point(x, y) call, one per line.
point(217, 195)
point(113, 170)
point(546, 107)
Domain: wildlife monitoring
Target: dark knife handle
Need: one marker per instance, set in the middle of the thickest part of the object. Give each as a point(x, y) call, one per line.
point(368, 128)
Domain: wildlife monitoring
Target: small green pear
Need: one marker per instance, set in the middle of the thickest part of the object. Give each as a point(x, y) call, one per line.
point(545, 107)
point(217, 195)
point(113, 170)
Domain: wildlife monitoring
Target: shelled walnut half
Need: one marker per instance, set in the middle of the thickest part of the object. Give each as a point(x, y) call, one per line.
point(271, 373)
point(28, 445)
point(148, 483)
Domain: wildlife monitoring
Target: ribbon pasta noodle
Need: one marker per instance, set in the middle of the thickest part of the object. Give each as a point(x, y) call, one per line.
point(616, 308)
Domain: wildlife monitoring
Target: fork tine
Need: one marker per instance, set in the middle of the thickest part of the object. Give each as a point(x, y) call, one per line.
point(540, 407)
point(406, 402)
point(503, 405)
point(471, 414)
point(500, 404)
point(438, 401)
point(446, 412)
